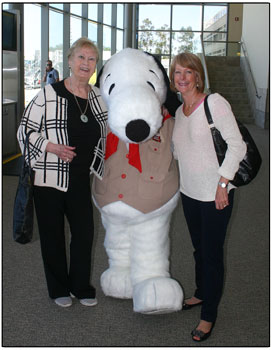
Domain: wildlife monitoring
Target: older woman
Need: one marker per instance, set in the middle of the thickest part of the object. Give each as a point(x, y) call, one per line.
point(67, 145)
point(207, 195)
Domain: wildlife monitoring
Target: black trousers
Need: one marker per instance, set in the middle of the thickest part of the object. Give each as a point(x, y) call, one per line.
point(207, 227)
point(51, 205)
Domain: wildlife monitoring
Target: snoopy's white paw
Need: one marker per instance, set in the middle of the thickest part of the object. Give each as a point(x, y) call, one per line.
point(116, 282)
point(157, 295)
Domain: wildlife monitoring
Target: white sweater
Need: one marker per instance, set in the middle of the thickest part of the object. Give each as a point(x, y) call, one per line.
point(194, 148)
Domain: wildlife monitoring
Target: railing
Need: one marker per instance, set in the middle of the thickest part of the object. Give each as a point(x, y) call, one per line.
point(243, 46)
point(223, 48)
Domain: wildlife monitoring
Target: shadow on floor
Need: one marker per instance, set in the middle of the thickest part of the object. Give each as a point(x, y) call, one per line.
point(13, 167)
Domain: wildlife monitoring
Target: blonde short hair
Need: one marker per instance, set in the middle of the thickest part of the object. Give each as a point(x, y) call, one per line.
point(191, 61)
point(81, 42)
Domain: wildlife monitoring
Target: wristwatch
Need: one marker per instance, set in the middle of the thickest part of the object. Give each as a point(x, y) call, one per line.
point(222, 184)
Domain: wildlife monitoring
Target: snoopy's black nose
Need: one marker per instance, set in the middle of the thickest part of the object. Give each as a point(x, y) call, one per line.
point(137, 130)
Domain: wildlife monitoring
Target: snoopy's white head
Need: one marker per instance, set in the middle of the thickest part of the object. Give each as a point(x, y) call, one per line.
point(134, 87)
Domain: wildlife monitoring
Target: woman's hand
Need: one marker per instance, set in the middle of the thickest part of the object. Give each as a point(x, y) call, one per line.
point(164, 111)
point(62, 151)
point(221, 197)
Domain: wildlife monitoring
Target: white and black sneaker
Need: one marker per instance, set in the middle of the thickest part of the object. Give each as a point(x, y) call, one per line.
point(89, 301)
point(64, 301)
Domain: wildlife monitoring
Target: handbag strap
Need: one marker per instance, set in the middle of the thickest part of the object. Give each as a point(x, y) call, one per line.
point(208, 113)
point(26, 148)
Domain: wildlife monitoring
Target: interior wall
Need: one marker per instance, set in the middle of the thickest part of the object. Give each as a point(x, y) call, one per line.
point(235, 22)
point(255, 35)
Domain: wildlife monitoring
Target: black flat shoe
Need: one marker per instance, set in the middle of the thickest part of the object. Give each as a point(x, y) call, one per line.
point(190, 306)
point(201, 335)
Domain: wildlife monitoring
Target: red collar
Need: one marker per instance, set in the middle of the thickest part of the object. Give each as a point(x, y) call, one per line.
point(133, 156)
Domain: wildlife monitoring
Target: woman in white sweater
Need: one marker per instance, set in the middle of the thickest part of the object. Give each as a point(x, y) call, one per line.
point(207, 195)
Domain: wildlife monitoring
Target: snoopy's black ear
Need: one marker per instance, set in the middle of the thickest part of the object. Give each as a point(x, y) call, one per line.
point(159, 64)
point(172, 102)
point(98, 77)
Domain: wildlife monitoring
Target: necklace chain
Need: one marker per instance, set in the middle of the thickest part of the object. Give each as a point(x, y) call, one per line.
point(192, 104)
point(83, 116)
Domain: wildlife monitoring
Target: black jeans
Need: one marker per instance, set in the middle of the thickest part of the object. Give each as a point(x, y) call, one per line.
point(51, 205)
point(207, 227)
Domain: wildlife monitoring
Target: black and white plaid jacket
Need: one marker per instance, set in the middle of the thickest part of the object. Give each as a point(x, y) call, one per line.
point(47, 115)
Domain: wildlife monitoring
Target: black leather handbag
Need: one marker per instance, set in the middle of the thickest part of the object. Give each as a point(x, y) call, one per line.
point(250, 165)
point(23, 211)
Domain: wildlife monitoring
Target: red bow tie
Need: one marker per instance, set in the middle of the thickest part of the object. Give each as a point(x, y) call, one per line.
point(112, 142)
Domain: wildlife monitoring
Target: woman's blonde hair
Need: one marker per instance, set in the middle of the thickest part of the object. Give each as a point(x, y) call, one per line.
point(191, 61)
point(81, 42)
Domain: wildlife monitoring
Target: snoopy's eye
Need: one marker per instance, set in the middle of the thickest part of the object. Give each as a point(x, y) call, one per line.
point(111, 88)
point(151, 85)
point(154, 73)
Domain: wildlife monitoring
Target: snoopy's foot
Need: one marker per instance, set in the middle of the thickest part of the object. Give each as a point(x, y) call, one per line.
point(157, 295)
point(116, 283)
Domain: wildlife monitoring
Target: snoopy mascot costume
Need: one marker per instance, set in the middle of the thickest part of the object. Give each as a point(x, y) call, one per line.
point(140, 187)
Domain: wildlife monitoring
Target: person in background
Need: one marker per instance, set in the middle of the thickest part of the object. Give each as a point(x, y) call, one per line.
point(69, 120)
point(206, 193)
point(51, 75)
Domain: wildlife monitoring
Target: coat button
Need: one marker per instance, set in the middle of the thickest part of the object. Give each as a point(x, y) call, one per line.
point(123, 176)
point(120, 195)
point(155, 149)
point(151, 177)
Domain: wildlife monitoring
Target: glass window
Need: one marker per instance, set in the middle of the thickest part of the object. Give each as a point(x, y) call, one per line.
point(92, 32)
point(106, 43)
point(154, 42)
point(165, 62)
point(56, 41)
point(120, 9)
point(215, 49)
point(185, 41)
point(197, 47)
point(215, 18)
point(145, 40)
point(185, 22)
point(76, 9)
point(182, 41)
point(187, 17)
point(5, 6)
point(32, 50)
point(57, 6)
point(153, 16)
point(107, 14)
point(93, 11)
point(119, 44)
point(215, 36)
point(76, 29)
